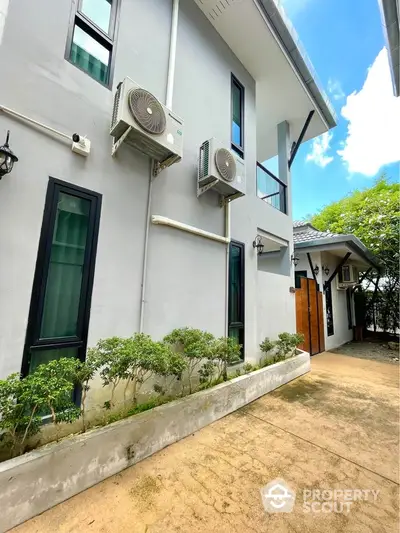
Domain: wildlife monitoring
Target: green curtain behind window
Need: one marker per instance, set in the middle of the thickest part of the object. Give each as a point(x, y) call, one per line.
point(64, 280)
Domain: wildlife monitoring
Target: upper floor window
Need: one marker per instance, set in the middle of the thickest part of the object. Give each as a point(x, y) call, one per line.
point(237, 109)
point(91, 38)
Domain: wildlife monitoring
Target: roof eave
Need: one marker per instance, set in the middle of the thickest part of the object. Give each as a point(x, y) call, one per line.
point(287, 37)
point(349, 240)
point(389, 11)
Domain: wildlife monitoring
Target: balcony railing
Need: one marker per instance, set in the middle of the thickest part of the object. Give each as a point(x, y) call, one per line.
point(270, 188)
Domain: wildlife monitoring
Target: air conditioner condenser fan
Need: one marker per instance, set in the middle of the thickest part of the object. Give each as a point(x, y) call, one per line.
point(226, 164)
point(147, 111)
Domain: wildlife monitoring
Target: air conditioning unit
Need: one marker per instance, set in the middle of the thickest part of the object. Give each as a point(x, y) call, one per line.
point(347, 276)
point(144, 123)
point(220, 170)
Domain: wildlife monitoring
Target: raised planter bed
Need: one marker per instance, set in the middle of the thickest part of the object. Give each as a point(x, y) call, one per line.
point(38, 480)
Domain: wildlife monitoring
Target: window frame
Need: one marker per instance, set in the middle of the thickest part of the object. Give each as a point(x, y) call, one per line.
point(107, 40)
point(239, 149)
point(33, 341)
point(241, 324)
point(329, 307)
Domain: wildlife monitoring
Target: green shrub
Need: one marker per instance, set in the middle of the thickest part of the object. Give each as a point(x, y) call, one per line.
point(23, 402)
point(225, 352)
point(288, 342)
point(19, 416)
point(194, 345)
point(248, 367)
point(267, 345)
point(85, 372)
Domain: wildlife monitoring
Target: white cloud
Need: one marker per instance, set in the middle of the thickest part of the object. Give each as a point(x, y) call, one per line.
point(373, 115)
point(293, 7)
point(335, 89)
point(319, 148)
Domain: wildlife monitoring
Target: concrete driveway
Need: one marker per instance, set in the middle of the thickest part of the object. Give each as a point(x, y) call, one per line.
point(336, 428)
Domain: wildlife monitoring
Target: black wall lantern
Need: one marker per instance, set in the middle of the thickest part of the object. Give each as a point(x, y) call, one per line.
point(316, 270)
point(325, 269)
point(7, 158)
point(295, 259)
point(258, 244)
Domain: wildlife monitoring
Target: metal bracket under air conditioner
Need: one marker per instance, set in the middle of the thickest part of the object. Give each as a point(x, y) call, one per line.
point(226, 199)
point(201, 190)
point(117, 144)
point(161, 165)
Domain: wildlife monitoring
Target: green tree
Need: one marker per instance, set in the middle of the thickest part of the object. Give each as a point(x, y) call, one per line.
point(372, 215)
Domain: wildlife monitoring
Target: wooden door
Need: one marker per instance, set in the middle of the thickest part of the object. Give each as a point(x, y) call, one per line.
point(309, 316)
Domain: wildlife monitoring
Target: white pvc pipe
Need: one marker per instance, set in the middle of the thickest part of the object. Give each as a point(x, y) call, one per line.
point(164, 221)
point(172, 54)
point(15, 114)
point(168, 103)
point(145, 250)
point(227, 236)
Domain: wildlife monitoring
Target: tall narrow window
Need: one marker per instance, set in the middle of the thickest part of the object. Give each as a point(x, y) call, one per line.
point(91, 39)
point(329, 310)
point(348, 305)
point(236, 293)
point(62, 289)
point(237, 108)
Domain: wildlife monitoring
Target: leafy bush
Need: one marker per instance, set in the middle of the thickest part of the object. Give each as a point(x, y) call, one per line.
point(225, 351)
point(23, 402)
point(19, 418)
point(288, 342)
point(267, 345)
point(194, 345)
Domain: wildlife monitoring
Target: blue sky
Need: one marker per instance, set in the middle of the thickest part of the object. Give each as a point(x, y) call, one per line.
point(345, 43)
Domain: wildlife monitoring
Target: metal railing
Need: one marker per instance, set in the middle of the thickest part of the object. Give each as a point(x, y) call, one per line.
point(270, 188)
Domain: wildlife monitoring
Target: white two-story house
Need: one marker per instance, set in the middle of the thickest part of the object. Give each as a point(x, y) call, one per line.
point(104, 234)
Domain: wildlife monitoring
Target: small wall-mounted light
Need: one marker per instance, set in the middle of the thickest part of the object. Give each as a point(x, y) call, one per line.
point(325, 269)
point(7, 158)
point(316, 270)
point(258, 244)
point(295, 259)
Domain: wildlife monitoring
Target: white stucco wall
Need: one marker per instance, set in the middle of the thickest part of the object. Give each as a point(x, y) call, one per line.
point(275, 305)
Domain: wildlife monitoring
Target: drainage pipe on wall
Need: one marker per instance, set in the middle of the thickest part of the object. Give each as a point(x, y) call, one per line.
point(168, 103)
point(228, 238)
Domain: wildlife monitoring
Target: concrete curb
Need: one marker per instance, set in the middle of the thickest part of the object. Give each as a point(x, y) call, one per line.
point(38, 480)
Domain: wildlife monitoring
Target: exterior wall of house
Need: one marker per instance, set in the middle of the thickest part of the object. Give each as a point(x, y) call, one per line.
point(186, 274)
point(342, 333)
point(274, 288)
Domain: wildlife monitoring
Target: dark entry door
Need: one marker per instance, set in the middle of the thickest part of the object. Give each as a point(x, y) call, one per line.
point(309, 316)
point(62, 288)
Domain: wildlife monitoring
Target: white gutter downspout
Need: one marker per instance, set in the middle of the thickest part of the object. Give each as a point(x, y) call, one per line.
point(228, 237)
point(172, 54)
point(168, 103)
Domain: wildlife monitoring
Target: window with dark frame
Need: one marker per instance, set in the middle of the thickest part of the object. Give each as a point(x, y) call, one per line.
point(237, 112)
point(62, 288)
point(236, 293)
point(348, 305)
point(91, 38)
point(298, 274)
point(329, 310)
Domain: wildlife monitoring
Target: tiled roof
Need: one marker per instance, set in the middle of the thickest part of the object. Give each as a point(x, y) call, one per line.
point(310, 234)
point(299, 223)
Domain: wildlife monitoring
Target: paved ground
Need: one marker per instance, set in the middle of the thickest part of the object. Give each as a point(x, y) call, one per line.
point(336, 428)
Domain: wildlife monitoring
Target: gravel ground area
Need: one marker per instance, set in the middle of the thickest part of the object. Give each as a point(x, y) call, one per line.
point(374, 349)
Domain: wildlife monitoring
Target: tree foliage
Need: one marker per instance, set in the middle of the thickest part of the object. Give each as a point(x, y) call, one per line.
point(372, 215)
